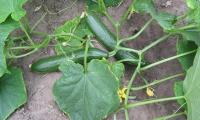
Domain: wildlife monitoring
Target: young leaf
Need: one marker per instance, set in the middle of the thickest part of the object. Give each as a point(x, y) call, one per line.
point(87, 95)
point(12, 92)
point(191, 89)
point(76, 26)
point(165, 20)
point(5, 29)
point(183, 46)
point(178, 91)
point(13, 8)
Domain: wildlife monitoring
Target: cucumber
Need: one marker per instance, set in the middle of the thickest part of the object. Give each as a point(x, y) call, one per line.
point(51, 64)
point(108, 39)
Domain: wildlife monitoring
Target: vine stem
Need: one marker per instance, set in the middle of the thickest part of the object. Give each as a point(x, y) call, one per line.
point(155, 43)
point(24, 30)
point(125, 14)
point(23, 55)
point(137, 34)
point(127, 49)
point(115, 117)
point(167, 59)
point(36, 24)
point(22, 47)
point(85, 55)
point(67, 34)
point(130, 84)
point(171, 116)
point(153, 101)
point(157, 82)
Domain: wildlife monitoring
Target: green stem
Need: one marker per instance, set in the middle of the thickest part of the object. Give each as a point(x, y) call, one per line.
point(125, 14)
point(137, 34)
point(187, 27)
point(85, 55)
point(126, 114)
point(115, 116)
point(67, 34)
point(132, 79)
point(171, 116)
point(155, 43)
point(128, 49)
point(130, 84)
point(23, 55)
point(110, 18)
point(36, 24)
point(132, 105)
point(18, 38)
point(117, 27)
point(157, 82)
point(22, 47)
point(167, 59)
point(24, 30)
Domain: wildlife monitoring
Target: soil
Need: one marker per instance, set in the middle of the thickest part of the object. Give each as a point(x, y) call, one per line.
point(41, 105)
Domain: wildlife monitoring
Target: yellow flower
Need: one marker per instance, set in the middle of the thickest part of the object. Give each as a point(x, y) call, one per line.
point(122, 94)
point(150, 91)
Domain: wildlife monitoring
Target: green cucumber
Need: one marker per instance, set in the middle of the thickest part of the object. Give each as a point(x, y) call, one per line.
point(108, 39)
point(51, 64)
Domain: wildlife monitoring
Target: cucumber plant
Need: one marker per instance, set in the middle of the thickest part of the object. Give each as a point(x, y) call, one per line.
point(91, 85)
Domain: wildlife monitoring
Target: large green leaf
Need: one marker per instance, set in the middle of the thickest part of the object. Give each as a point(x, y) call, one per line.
point(5, 29)
point(178, 91)
point(116, 68)
point(67, 44)
point(12, 92)
point(183, 46)
point(13, 7)
point(90, 95)
point(165, 20)
point(191, 86)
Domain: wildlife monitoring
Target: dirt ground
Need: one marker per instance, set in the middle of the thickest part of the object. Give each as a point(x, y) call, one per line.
point(41, 106)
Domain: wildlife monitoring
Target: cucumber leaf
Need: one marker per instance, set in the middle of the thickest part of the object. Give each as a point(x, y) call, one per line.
point(12, 92)
point(118, 69)
point(178, 91)
point(5, 29)
point(165, 20)
point(191, 87)
point(67, 44)
point(183, 46)
point(90, 95)
point(13, 8)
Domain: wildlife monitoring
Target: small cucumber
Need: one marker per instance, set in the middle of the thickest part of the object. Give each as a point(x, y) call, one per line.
point(51, 64)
